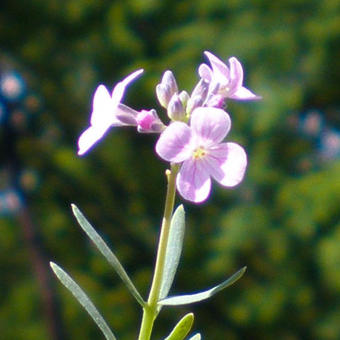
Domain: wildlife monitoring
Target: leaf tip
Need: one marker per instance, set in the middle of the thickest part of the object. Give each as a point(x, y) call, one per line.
point(53, 266)
point(181, 207)
point(74, 208)
point(189, 318)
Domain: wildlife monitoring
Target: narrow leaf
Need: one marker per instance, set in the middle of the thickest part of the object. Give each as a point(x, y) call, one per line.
point(192, 298)
point(182, 328)
point(173, 250)
point(83, 299)
point(107, 253)
point(196, 337)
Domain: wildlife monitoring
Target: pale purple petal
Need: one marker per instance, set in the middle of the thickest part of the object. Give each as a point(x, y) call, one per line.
point(210, 124)
point(220, 69)
point(230, 162)
point(119, 89)
point(205, 72)
point(243, 93)
point(174, 144)
point(216, 100)
point(237, 91)
point(236, 74)
point(193, 181)
point(213, 160)
point(90, 137)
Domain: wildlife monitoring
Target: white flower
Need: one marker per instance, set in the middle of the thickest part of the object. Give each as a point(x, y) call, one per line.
point(103, 115)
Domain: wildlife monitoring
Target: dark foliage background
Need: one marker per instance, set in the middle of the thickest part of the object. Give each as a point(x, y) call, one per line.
point(283, 221)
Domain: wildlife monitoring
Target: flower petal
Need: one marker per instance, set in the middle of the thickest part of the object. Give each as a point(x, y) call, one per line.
point(220, 69)
point(174, 144)
point(236, 74)
point(102, 109)
point(229, 164)
point(90, 137)
point(243, 93)
point(119, 89)
point(210, 124)
point(205, 72)
point(193, 181)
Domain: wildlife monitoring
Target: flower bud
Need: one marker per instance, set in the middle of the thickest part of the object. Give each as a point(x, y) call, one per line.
point(166, 89)
point(198, 96)
point(184, 97)
point(148, 121)
point(201, 89)
point(193, 102)
point(176, 109)
point(169, 79)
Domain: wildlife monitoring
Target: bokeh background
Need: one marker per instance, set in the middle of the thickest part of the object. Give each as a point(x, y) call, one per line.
point(283, 221)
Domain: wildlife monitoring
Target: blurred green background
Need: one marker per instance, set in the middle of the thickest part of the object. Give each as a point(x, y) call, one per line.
point(283, 221)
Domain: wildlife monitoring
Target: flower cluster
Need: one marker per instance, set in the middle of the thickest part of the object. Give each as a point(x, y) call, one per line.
point(198, 125)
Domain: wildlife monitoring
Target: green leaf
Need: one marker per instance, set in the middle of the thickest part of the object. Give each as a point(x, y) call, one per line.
point(196, 337)
point(83, 299)
point(182, 328)
point(192, 298)
point(107, 253)
point(173, 250)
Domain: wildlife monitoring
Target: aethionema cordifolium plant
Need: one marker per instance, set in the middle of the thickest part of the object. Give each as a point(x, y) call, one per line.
point(193, 144)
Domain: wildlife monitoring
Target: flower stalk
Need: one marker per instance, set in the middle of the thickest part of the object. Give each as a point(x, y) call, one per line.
point(193, 143)
point(150, 311)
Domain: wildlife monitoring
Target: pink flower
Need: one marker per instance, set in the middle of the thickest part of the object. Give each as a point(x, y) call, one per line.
point(103, 115)
point(199, 147)
point(225, 81)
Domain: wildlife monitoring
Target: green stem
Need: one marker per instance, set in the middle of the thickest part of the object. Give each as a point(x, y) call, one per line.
point(150, 310)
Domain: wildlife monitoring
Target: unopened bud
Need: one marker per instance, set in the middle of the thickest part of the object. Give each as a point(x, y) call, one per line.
point(169, 79)
point(193, 102)
point(176, 110)
point(148, 121)
point(198, 96)
point(166, 89)
point(201, 89)
point(184, 97)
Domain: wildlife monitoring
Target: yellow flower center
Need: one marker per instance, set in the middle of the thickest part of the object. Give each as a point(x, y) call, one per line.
point(199, 153)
